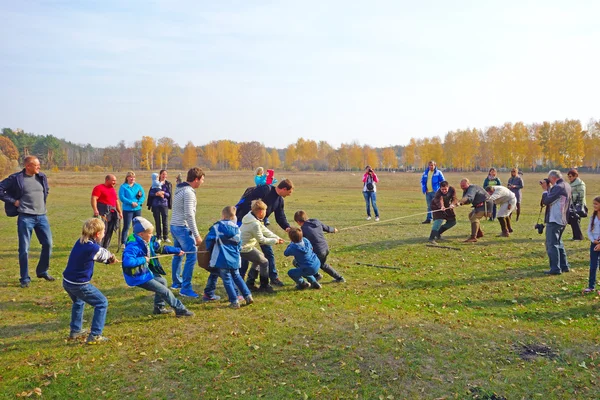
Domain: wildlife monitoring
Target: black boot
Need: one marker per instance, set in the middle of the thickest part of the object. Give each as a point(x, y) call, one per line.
point(440, 231)
point(518, 210)
point(264, 285)
point(433, 235)
point(330, 271)
point(508, 224)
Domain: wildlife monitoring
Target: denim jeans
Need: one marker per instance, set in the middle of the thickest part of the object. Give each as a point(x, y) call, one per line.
point(556, 248)
point(88, 293)
point(298, 274)
point(231, 279)
point(594, 263)
point(160, 214)
point(127, 218)
point(183, 238)
point(38, 223)
point(371, 198)
point(429, 198)
point(162, 295)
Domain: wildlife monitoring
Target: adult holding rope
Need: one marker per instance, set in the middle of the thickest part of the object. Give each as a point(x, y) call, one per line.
point(477, 197)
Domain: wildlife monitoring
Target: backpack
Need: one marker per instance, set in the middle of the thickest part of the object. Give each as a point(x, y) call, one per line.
point(246, 194)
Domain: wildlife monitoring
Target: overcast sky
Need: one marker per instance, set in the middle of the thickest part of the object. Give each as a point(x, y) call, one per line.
point(378, 72)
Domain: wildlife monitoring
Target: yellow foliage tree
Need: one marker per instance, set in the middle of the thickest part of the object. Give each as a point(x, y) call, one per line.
point(148, 145)
point(275, 160)
point(389, 159)
point(190, 155)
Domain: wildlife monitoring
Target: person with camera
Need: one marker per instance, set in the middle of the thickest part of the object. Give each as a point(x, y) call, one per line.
point(506, 202)
point(556, 197)
point(579, 205)
point(370, 191)
point(430, 184)
point(478, 198)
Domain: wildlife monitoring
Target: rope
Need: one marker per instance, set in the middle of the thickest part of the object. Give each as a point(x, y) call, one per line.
point(392, 219)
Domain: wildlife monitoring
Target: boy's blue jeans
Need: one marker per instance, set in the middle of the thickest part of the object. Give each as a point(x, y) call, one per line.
point(231, 279)
point(88, 293)
point(26, 223)
point(298, 274)
point(162, 294)
point(183, 238)
point(594, 263)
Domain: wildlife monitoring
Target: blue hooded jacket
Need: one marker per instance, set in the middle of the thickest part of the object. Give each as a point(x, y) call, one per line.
point(303, 254)
point(135, 268)
point(224, 240)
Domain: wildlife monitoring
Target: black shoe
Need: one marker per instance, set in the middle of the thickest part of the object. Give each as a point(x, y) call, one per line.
point(339, 280)
point(252, 287)
point(552, 272)
point(318, 276)
point(47, 277)
point(277, 282)
point(24, 284)
point(184, 313)
point(162, 310)
point(426, 222)
point(566, 270)
point(266, 289)
point(315, 285)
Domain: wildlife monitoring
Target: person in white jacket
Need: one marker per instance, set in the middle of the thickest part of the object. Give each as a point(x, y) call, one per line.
point(506, 201)
point(253, 232)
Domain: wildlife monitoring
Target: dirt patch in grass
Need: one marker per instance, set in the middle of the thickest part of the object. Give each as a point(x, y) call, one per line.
point(531, 351)
point(481, 394)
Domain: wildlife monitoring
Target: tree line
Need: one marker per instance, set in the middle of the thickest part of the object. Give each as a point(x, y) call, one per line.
point(558, 144)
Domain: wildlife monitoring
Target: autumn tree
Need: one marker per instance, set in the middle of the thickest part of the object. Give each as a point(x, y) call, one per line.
point(163, 151)
point(148, 145)
point(8, 148)
point(275, 160)
point(389, 160)
point(190, 155)
point(251, 154)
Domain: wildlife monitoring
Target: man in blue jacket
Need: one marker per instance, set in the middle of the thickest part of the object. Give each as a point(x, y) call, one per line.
point(24, 195)
point(430, 183)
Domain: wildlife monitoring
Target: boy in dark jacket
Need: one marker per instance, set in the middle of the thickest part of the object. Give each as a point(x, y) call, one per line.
point(312, 229)
point(141, 267)
point(305, 260)
point(78, 275)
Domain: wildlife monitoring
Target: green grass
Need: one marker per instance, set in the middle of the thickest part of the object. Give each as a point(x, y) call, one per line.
point(445, 324)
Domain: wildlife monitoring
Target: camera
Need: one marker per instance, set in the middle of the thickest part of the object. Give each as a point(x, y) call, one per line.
point(539, 228)
point(545, 180)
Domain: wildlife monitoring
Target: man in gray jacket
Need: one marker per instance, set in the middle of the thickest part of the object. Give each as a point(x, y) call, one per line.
point(556, 198)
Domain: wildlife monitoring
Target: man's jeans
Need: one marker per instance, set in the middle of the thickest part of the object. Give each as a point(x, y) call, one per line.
point(231, 279)
point(88, 293)
point(128, 216)
point(371, 198)
point(183, 238)
point(162, 294)
point(556, 248)
point(429, 198)
point(38, 223)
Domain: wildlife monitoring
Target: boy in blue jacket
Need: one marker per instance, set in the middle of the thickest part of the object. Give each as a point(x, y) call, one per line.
point(78, 275)
point(223, 240)
point(305, 260)
point(141, 267)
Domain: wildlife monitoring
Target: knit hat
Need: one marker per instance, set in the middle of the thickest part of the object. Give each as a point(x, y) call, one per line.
point(141, 224)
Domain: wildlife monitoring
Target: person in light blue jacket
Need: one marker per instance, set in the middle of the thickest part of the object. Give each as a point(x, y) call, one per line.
point(132, 197)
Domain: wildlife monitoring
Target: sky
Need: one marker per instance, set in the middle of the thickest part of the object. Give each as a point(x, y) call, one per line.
point(373, 72)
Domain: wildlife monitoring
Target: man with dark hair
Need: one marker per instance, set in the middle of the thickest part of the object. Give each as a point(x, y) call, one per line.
point(24, 195)
point(442, 207)
point(477, 197)
point(556, 197)
point(273, 198)
point(185, 231)
point(105, 205)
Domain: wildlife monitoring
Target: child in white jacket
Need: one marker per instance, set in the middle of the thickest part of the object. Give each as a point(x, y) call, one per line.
point(253, 232)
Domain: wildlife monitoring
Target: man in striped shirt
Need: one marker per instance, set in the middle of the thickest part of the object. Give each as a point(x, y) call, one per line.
point(185, 232)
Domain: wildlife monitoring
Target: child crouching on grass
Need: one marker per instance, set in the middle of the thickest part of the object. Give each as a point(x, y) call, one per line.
point(141, 268)
point(312, 229)
point(223, 240)
point(305, 260)
point(78, 275)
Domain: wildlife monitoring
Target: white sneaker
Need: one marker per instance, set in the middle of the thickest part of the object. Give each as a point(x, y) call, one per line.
point(368, 218)
point(159, 241)
point(167, 240)
point(376, 219)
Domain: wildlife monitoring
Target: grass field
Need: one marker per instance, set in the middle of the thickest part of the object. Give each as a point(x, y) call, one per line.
point(481, 322)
